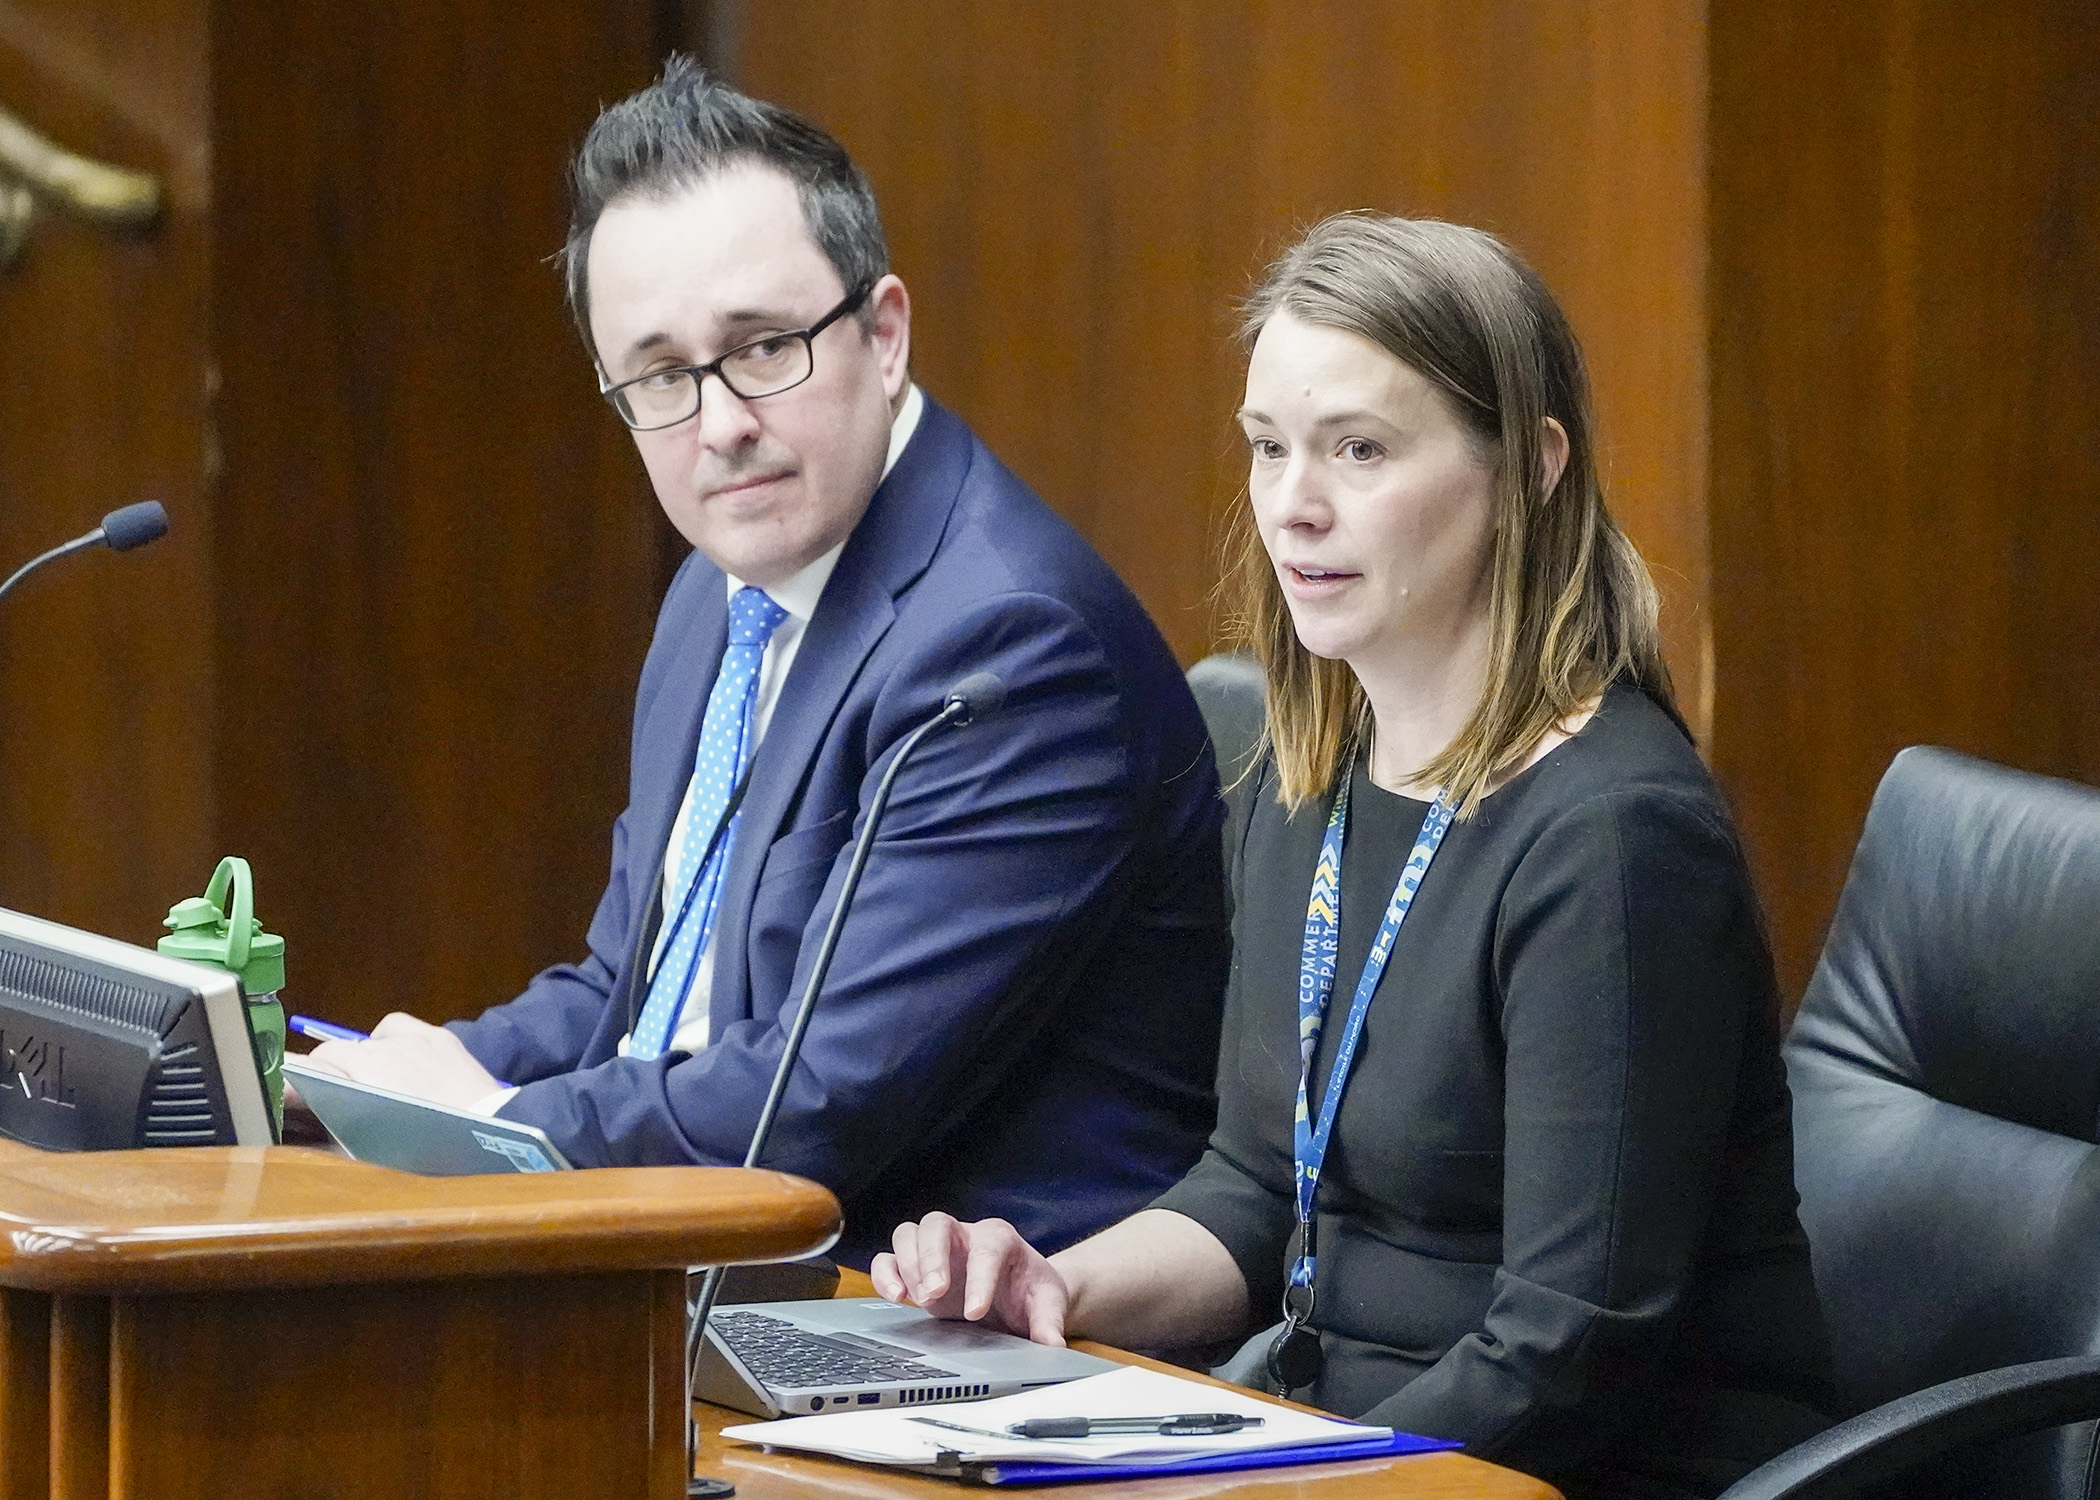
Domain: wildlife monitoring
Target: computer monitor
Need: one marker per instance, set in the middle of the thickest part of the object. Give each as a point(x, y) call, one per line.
point(104, 1046)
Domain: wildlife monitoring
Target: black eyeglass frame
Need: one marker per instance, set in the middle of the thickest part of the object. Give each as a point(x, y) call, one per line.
point(714, 367)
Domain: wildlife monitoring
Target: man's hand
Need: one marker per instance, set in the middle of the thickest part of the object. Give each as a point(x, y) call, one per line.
point(984, 1272)
point(410, 1057)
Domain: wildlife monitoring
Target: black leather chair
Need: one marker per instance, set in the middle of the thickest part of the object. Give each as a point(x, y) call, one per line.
point(1946, 1076)
point(1229, 689)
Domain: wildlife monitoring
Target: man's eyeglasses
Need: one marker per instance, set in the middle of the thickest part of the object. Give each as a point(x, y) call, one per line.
point(764, 367)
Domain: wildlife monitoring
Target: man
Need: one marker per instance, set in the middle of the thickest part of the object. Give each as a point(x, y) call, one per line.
point(1021, 1020)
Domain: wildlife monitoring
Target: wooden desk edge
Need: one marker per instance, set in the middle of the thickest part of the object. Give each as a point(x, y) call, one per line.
point(215, 1218)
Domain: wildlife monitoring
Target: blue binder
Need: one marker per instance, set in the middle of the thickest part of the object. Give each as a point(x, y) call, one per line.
point(1007, 1472)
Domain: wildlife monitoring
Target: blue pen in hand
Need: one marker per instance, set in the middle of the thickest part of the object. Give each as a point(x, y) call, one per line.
point(325, 1031)
point(328, 1031)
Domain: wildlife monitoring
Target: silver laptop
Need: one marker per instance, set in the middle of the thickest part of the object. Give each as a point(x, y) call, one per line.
point(776, 1359)
point(393, 1130)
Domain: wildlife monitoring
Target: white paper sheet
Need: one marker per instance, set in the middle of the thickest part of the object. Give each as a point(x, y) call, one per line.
point(890, 1436)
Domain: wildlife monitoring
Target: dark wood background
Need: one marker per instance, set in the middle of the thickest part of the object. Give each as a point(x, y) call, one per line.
point(437, 563)
point(1905, 339)
point(107, 671)
point(388, 650)
point(1080, 194)
point(1832, 265)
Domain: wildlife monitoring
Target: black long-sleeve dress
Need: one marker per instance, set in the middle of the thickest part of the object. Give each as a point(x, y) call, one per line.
point(1557, 1219)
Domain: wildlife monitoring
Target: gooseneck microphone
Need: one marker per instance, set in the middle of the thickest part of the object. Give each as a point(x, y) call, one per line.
point(973, 698)
point(132, 526)
point(968, 701)
point(120, 531)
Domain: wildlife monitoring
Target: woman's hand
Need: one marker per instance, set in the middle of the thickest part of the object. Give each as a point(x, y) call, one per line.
point(1155, 1281)
point(983, 1272)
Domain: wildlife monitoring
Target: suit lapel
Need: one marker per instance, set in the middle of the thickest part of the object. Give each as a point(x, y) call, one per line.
point(838, 642)
point(888, 550)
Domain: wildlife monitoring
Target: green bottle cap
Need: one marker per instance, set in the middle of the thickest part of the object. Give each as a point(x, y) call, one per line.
point(206, 929)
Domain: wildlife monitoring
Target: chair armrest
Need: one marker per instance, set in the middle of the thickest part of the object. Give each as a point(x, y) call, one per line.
point(1876, 1446)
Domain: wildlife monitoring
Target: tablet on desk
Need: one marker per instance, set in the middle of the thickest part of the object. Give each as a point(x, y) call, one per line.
point(394, 1130)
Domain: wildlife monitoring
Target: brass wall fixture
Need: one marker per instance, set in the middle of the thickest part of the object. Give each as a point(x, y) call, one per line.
point(34, 171)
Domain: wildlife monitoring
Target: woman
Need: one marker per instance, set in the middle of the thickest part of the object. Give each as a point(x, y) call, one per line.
point(1549, 1179)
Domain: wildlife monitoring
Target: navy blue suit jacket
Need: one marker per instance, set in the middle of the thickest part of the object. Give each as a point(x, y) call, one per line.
point(1022, 1017)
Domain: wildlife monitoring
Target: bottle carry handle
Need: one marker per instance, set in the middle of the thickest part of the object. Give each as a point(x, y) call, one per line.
point(233, 874)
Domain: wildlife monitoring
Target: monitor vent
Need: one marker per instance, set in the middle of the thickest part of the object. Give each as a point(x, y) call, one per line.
point(98, 995)
point(178, 1110)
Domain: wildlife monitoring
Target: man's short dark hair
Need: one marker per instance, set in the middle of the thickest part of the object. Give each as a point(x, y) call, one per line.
point(684, 128)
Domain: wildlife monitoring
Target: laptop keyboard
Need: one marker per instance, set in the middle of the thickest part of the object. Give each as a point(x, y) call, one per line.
point(782, 1355)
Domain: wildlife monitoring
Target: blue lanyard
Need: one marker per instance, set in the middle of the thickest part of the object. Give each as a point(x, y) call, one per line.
point(1316, 984)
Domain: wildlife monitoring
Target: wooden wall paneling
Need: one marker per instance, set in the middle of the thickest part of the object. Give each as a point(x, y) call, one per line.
point(1862, 241)
point(1078, 194)
point(388, 652)
point(25, 1395)
point(106, 671)
point(438, 564)
point(1906, 356)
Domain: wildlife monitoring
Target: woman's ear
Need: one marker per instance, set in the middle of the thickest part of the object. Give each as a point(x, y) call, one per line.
point(1553, 456)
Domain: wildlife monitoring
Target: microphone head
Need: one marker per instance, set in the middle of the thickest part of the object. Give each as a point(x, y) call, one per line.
point(978, 694)
point(134, 526)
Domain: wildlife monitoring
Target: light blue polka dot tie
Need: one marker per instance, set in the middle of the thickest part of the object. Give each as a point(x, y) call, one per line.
point(726, 737)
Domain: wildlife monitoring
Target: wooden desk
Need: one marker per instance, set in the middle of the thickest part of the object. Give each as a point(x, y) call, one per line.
point(759, 1475)
point(279, 1324)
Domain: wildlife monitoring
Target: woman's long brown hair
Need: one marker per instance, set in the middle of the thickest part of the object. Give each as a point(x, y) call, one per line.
point(1572, 607)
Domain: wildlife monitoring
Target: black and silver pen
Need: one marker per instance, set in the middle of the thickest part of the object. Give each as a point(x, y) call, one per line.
point(1187, 1424)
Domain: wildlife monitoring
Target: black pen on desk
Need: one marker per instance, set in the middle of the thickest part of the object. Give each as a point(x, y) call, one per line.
point(955, 1427)
point(1187, 1424)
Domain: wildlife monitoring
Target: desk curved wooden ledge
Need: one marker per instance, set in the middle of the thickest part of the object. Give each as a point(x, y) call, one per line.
point(282, 1324)
point(1423, 1476)
point(164, 1221)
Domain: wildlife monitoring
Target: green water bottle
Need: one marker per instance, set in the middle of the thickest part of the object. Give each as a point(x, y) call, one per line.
point(219, 928)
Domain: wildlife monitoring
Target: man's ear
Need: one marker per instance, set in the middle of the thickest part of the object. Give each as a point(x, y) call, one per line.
point(1553, 456)
point(891, 333)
